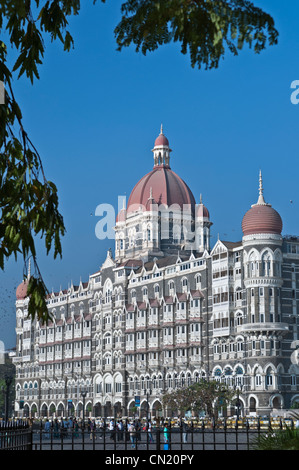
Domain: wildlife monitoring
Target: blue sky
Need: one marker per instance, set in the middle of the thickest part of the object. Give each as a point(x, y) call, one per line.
point(95, 113)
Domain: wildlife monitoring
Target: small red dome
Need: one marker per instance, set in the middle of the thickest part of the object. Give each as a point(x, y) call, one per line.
point(161, 140)
point(202, 211)
point(21, 292)
point(164, 186)
point(261, 219)
point(121, 216)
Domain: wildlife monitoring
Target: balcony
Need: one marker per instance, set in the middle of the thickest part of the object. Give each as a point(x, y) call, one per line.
point(264, 326)
point(221, 331)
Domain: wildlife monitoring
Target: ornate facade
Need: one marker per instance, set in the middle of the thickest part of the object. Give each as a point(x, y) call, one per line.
point(167, 310)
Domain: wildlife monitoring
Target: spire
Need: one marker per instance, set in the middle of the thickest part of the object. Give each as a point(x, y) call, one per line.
point(161, 131)
point(261, 201)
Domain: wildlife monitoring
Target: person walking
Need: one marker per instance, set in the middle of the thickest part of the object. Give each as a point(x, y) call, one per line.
point(47, 429)
point(76, 428)
point(138, 429)
point(56, 428)
point(92, 430)
point(101, 428)
point(132, 431)
point(185, 431)
point(120, 430)
point(166, 432)
point(111, 429)
point(149, 431)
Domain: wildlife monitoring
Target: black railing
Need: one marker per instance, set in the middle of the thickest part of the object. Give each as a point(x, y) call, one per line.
point(23, 435)
point(203, 437)
point(15, 435)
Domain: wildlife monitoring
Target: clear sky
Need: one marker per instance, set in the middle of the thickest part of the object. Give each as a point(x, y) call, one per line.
point(95, 113)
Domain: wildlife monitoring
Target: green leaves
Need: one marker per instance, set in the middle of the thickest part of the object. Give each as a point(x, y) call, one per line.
point(199, 396)
point(37, 306)
point(205, 28)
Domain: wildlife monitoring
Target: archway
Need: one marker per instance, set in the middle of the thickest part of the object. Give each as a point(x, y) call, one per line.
point(60, 410)
point(132, 409)
point(252, 405)
point(44, 411)
point(33, 410)
point(26, 411)
point(277, 402)
point(117, 409)
point(157, 409)
point(98, 409)
point(108, 410)
point(144, 409)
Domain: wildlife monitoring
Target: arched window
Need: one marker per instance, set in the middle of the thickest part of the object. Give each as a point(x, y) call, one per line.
point(266, 264)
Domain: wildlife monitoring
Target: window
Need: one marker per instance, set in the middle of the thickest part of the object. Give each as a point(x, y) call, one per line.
point(258, 380)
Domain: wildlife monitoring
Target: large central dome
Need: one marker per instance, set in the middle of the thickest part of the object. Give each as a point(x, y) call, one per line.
point(161, 185)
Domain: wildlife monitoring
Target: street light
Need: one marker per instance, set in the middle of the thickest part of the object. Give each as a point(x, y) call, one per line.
point(83, 395)
point(238, 401)
point(147, 392)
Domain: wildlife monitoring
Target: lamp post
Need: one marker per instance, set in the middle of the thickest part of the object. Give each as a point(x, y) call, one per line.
point(8, 381)
point(238, 401)
point(83, 395)
point(147, 392)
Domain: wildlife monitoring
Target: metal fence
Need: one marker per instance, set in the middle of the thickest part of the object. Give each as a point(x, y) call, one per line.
point(214, 436)
point(15, 435)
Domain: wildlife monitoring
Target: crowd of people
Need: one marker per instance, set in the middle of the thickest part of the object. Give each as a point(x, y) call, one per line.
point(114, 429)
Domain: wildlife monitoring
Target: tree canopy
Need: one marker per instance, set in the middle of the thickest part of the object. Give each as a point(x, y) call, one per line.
point(29, 204)
point(200, 396)
point(207, 29)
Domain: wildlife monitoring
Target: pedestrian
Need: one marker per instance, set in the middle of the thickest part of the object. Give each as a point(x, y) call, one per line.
point(63, 428)
point(138, 429)
point(47, 429)
point(185, 431)
point(101, 428)
point(76, 428)
point(56, 428)
point(149, 431)
point(166, 432)
point(92, 430)
point(132, 432)
point(120, 431)
point(111, 429)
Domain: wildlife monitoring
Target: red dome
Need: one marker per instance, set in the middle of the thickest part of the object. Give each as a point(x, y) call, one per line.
point(202, 211)
point(162, 185)
point(121, 216)
point(261, 219)
point(21, 292)
point(161, 140)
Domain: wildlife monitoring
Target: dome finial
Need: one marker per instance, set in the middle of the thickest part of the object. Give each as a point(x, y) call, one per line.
point(161, 130)
point(261, 200)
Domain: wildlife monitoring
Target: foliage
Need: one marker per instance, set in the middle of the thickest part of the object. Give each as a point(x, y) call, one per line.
point(28, 201)
point(201, 396)
point(205, 28)
point(284, 439)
